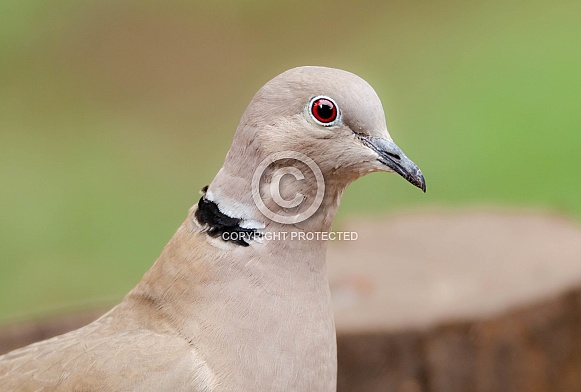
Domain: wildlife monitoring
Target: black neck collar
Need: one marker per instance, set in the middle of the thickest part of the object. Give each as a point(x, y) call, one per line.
point(217, 224)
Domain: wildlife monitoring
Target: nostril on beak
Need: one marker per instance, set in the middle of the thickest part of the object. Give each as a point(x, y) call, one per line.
point(394, 156)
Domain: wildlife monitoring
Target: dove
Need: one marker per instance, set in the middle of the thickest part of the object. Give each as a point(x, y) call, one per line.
point(239, 299)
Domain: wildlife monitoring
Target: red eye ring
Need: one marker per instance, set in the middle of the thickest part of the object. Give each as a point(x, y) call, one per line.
point(324, 110)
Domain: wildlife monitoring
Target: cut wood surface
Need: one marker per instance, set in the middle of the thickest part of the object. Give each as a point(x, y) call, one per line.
point(419, 269)
point(486, 300)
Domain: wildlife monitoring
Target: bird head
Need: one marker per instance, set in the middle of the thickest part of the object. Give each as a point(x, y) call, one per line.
point(306, 129)
point(332, 116)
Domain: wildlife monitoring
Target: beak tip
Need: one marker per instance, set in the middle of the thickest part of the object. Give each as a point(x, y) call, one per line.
point(417, 179)
point(421, 183)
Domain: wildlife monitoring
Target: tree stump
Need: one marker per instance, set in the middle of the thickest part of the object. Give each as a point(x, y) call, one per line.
point(486, 301)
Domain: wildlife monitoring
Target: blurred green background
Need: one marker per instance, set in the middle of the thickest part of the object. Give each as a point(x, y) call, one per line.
point(114, 114)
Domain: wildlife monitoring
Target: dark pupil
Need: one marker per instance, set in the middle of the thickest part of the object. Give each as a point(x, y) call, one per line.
point(324, 110)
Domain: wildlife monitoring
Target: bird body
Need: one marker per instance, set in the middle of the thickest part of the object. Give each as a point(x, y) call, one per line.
point(217, 313)
point(214, 321)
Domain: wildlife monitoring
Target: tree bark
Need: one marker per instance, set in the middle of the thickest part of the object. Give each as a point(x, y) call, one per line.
point(534, 349)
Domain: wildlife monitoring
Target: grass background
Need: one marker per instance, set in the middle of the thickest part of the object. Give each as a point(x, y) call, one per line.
point(114, 114)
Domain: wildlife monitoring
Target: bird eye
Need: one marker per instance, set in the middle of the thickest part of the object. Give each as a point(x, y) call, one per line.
point(324, 110)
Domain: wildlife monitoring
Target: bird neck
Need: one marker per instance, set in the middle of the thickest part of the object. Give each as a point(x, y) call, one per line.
point(278, 200)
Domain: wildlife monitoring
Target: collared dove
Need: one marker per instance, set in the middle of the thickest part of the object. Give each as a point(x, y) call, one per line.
point(239, 300)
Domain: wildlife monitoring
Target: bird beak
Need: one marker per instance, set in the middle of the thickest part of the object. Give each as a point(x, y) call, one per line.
point(392, 156)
